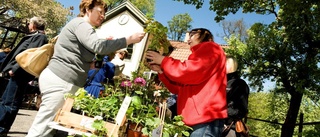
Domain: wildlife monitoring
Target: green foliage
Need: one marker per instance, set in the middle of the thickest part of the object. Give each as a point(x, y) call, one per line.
point(99, 125)
point(272, 106)
point(92, 107)
point(178, 26)
point(145, 6)
point(237, 49)
point(176, 125)
point(158, 36)
point(170, 126)
point(54, 13)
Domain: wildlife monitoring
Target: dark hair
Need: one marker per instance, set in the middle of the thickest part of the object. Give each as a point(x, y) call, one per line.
point(90, 4)
point(205, 34)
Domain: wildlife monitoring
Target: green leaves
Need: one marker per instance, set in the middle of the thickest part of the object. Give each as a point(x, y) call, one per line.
point(178, 26)
point(158, 36)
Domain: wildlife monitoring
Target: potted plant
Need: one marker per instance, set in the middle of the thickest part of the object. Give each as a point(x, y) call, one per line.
point(157, 36)
point(144, 103)
point(142, 113)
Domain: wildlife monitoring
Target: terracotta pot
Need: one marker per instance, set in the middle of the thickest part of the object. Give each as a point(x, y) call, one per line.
point(144, 135)
point(132, 133)
point(132, 126)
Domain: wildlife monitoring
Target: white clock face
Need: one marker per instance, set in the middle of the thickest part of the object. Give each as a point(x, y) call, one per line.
point(123, 19)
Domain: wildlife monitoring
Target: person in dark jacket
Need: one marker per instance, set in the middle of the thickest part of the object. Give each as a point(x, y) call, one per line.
point(237, 96)
point(3, 54)
point(18, 78)
point(3, 81)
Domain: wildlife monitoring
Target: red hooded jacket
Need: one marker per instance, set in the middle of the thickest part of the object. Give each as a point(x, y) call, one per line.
point(200, 83)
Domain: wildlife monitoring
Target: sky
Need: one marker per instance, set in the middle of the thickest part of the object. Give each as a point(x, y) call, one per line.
point(202, 18)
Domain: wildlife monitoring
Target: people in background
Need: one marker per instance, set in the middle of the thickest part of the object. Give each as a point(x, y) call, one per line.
point(98, 76)
point(237, 96)
point(68, 68)
point(18, 78)
point(118, 61)
point(199, 82)
point(110, 70)
point(3, 54)
point(3, 80)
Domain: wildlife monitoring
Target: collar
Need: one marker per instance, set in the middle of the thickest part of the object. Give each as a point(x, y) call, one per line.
point(233, 75)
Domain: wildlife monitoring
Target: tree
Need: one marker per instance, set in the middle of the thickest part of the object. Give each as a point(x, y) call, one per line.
point(146, 6)
point(55, 14)
point(178, 26)
point(272, 106)
point(237, 27)
point(287, 50)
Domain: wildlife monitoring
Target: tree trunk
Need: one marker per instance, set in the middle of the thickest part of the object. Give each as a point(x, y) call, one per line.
point(289, 124)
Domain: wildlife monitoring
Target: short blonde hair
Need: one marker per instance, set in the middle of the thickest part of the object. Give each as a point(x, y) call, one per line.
point(90, 4)
point(232, 64)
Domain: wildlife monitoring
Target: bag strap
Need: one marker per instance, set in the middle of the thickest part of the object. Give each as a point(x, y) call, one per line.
point(91, 77)
point(229, 126)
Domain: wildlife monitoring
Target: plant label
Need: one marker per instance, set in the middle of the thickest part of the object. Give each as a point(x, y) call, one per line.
point(157, 132)
point(123, 110)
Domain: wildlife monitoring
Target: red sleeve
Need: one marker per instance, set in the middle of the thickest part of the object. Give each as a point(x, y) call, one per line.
point(204, 62)
point(172, 87)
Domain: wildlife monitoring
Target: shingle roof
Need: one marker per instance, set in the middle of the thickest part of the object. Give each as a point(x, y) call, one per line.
point(182, 50)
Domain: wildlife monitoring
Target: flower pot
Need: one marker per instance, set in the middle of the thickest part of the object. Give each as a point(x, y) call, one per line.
point(134, 130)
point(142, 135)
point(132, 133)
point(134, 127)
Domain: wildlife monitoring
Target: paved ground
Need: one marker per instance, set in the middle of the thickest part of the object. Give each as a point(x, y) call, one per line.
point(22, 123)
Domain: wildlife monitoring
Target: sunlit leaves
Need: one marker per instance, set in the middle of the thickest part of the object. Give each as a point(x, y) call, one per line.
point(54, 13)
point(146, 6)
point(273, 107)
point(178, 26)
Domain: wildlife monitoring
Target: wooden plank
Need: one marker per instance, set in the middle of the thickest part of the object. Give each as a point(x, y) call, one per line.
point(83, 123)
point(67, 106)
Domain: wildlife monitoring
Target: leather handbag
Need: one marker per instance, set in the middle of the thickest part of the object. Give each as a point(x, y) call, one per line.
point(35, 60)
point(242, 128)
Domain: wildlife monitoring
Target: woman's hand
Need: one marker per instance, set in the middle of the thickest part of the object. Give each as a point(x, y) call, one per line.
point(155, 57)
point(135, 38)
point(156, 68)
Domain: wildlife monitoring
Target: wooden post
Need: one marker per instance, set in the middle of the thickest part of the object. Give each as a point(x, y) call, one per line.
point(300, 125)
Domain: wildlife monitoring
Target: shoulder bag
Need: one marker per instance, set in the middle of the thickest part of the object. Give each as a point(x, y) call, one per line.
point(242, 128)
point(34, 60)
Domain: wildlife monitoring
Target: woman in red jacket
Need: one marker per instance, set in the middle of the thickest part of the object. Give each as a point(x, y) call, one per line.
point(200, 83)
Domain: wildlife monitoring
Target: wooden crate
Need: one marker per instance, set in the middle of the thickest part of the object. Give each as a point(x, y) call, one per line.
point(80, 122)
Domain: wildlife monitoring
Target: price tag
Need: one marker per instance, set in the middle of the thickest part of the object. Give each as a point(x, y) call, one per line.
point(87, 123)
point(123, 110)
